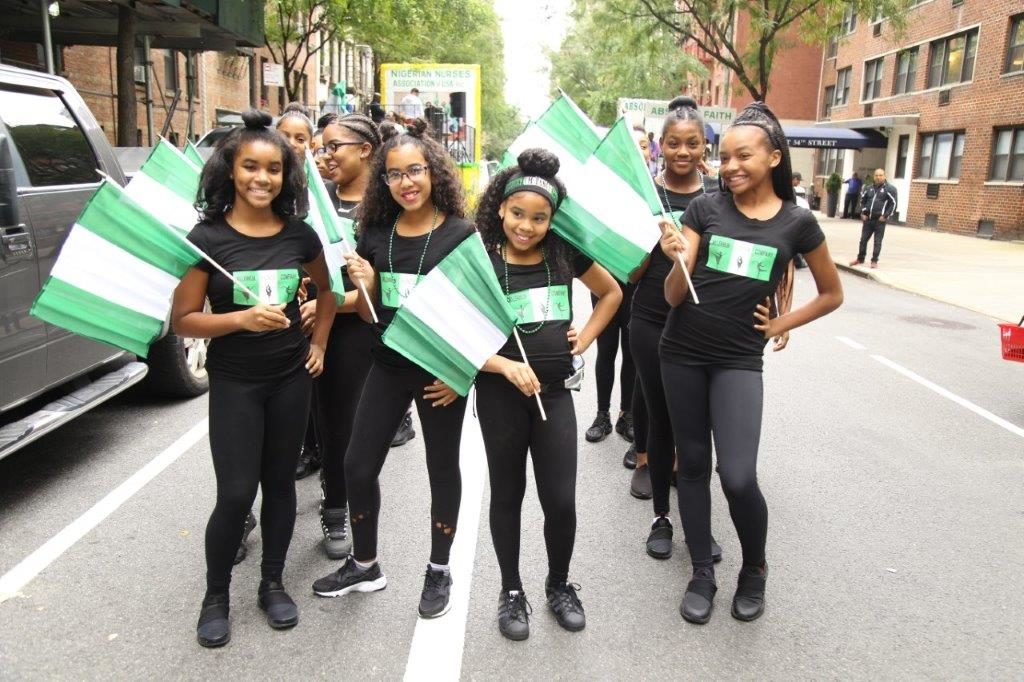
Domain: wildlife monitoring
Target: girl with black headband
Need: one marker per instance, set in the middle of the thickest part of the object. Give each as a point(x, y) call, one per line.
point(411, 217)
point(535, 269)
point(736, 244)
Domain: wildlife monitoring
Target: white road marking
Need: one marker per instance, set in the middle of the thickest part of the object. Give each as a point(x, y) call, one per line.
point(12, 582)
point(963, 402)
point(851, 343)
point(437, 644)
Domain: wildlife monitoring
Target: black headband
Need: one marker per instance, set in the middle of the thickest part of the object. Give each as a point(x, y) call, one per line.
point(537, 185)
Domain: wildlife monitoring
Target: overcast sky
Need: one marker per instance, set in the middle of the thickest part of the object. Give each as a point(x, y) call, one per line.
point(528, 26)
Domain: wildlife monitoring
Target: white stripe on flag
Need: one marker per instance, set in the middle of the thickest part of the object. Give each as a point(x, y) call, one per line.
point(607, 196)
point(570, 169)
point(91, 263)
point(165, 205)
point(457, 320)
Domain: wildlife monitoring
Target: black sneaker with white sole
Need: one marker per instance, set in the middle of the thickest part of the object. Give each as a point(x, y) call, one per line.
point(436, 597)
point(566, 605)
point(350, 578)
point(514, 615)
point(334, 523)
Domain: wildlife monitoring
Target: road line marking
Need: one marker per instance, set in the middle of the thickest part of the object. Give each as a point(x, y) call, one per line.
point(437, 644)
point(851, 343)
point(12, 582)
point(963, 402)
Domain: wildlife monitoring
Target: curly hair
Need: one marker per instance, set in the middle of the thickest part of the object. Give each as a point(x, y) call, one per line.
point(217, 187)
point(758, 115)
point(379, 209)
point(537, 162)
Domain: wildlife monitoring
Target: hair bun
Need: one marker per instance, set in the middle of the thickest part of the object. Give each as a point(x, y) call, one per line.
point(257, 120)
point(297, 107)
point(682, 102)
point(417, 128)
point(539, 162)
point(387, 129)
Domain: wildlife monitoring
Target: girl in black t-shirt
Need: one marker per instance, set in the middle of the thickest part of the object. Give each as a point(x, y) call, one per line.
point(252, 195)
point(737, 244)
point(535, 269)
point(411, 217)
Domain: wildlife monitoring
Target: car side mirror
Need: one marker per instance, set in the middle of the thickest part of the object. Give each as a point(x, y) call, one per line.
point(8, 185)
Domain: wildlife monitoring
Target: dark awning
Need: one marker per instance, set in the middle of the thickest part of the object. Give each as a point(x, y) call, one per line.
point(823, 137)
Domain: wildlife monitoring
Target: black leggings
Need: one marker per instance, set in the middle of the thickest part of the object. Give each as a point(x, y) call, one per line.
point(727, 403)
point(651, 426)
point(616, 333)
point(256, 432)
point(386, 395)
point(511, 424)
point(346, 364)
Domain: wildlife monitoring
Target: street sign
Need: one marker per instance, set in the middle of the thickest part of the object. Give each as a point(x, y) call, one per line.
point(273, 74)
point(651, 112)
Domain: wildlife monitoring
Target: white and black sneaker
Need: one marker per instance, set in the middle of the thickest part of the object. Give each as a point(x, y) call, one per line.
point(566, 605)
point(350, 578)
point(514, 615)
point(436, 597)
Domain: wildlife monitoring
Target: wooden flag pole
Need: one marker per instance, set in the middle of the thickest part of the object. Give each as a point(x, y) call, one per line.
point(361, 284)
point(522, 351)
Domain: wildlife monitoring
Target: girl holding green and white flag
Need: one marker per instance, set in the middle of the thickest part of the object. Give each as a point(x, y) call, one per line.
point(253, 194)
point(535, 268)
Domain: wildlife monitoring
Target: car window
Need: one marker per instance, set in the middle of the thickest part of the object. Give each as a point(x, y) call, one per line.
point(49, 141)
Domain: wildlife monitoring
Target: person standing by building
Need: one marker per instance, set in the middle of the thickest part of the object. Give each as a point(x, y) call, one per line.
point(412, 105)
point(877, 203)
point(853, 185)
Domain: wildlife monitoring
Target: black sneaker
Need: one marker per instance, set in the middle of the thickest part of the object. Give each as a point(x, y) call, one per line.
point(659, 542)
point(640, 484)
point(600, 429)
point(350, 578)
point(214, 628)
point(405, 432)
point(282, 613)
point(566, 605)
point(514, 615)
point(309, 462)
point(748, 602)
point(334, 524)
point(437, 590)
point(629, 459)
point(624, 426)
point(243, 549)
point(700, 596)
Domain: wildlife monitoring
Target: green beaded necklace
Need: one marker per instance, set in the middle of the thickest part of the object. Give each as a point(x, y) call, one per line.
point(391, 244)
point(547, 269)
point(664, 193)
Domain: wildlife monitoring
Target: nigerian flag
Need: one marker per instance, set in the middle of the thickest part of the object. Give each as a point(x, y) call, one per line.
point(192, 154)
point(167, 185)
point(336, 233)
point(455, 319)
point(116, 273)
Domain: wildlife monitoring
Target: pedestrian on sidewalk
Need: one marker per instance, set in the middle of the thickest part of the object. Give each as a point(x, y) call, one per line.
point(853, 187)
point(877, 203)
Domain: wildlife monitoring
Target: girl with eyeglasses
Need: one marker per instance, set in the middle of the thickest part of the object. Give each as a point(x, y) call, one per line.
point(412, 216)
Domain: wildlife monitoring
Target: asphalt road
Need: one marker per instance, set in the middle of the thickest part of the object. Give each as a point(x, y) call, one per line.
point(896, 537)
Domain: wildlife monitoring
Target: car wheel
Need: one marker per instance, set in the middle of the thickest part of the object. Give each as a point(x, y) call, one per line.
point(177, 367)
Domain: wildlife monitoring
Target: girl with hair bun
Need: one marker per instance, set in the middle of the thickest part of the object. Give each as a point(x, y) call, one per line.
point(737, 244)
point(410, 218)
point(535, 268)
point(253, 199)
point(297, 129)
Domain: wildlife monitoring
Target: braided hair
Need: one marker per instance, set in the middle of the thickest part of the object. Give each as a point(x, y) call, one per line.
point(683, 109)
point(362, 126)
point(758, 114)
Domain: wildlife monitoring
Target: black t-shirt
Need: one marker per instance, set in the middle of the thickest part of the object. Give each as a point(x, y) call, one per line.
point(739, 263)
point(649, 297)
point(270, 267)
point(547, 348)
point(396, 277)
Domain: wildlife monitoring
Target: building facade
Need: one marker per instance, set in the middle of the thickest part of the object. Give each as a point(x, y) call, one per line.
point(948, 93)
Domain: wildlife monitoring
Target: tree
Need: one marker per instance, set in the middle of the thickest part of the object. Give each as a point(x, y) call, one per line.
point(296, 30)
point(709, 24)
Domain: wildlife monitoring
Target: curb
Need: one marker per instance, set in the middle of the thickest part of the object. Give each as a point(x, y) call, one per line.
point(853, 270)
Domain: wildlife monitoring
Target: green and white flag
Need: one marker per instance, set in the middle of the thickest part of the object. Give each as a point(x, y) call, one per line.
point(116, 273)
point(336, 233)
point(455, 319)
point(167, 185)
point(192, 154)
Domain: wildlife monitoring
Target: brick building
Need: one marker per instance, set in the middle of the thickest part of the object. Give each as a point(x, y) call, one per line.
point(948, 93)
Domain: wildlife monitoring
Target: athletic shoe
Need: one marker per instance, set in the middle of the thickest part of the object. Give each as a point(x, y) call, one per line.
point(514, 615)
point(700, 596)
point(309, 462)
point(214, 629)
point(282, 613)
point(748, 602)
point(874, 265)
point(405, 432)
point(600, 429)
point(640, 483)
point(624, 426)
point(437, 589)
point(334, 524)
point(629, 459)
point(243, 549)
point(566, 605)
point(716, 550)
point(350, 578)
point(856, 262)
point(659, 542)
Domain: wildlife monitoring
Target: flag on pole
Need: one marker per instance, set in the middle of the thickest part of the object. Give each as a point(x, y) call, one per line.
point(455, 319)
point(337, 237)
point(167, 184)
point(192, 154)
point(116, 273)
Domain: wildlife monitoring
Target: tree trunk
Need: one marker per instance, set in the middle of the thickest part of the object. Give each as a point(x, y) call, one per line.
point(127, 107)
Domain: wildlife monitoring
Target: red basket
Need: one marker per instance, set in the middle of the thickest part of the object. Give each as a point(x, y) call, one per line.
point(1012, 336)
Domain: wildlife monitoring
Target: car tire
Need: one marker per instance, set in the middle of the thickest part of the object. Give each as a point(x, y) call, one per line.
point(177, 367)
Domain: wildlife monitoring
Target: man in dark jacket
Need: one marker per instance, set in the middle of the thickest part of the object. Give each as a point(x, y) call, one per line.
point(877, 203)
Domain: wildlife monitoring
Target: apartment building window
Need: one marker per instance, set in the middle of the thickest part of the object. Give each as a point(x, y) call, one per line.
point(941, 156)
point(878, 16)
point(264, 88)
point(906, 72)
point(1008, 155)
point(833, 47)
point(849, 23)
point(951, 60)
point(902, 152)
point(170, 71)
point(843, 86)
point(1015, 49)
point(873, 79)
point(830, 98)
point(830, 161)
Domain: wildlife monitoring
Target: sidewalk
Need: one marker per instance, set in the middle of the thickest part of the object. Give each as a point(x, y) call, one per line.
point(977, 274)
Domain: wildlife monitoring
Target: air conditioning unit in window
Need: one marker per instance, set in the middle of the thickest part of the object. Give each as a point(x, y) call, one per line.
point(140, 73)
point(944, 96)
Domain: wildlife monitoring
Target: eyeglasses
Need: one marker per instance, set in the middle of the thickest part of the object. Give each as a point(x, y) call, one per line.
point(414, 172)
point(334, 146)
